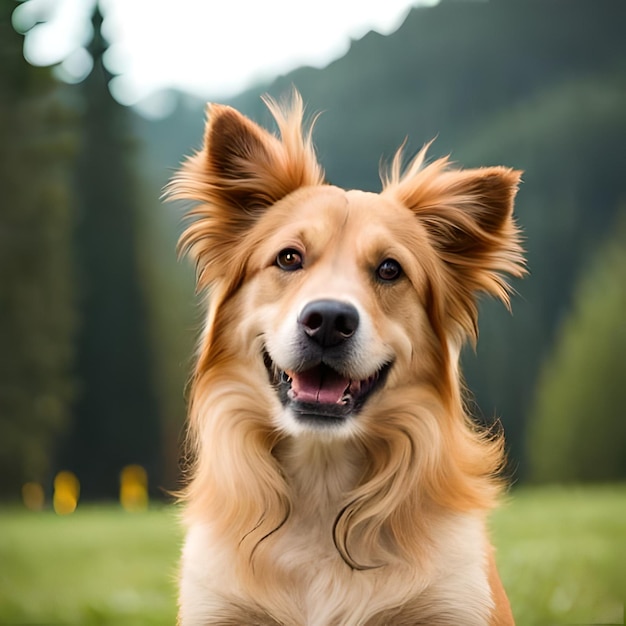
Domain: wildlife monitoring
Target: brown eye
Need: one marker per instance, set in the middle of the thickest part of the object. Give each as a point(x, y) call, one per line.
point(289, 260)
point(389, 270)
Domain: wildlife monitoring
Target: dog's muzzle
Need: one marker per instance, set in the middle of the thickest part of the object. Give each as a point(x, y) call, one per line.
point(321, 391)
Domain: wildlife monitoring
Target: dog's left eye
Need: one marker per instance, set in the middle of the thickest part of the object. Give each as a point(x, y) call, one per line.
point(389, 270)
point(289, 260)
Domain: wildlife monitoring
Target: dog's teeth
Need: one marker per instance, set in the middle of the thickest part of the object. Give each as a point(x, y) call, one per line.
point(285, 378)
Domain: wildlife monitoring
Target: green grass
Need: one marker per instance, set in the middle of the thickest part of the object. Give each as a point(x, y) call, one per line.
point(561, 554)
point(99, 566)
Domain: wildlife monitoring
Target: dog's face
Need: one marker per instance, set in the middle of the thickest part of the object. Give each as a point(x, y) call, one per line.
point(338, 300)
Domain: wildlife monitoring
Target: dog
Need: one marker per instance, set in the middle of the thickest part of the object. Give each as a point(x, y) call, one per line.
point(336, 478)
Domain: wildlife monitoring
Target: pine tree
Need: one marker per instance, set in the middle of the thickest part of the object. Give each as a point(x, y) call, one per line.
point(116, 418)
point(37, 315)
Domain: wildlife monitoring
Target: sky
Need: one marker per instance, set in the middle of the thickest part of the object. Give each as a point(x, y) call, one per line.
point(211, 48)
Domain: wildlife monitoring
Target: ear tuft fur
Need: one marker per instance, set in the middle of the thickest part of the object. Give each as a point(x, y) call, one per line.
point(468, 215)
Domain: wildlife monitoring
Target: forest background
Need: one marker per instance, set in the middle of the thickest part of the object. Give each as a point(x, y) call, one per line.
point(98, 318)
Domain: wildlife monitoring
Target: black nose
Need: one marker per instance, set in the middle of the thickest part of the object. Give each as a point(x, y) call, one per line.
point(329, 322)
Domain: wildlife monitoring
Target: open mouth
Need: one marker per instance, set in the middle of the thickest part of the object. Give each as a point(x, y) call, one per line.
point(320, 393)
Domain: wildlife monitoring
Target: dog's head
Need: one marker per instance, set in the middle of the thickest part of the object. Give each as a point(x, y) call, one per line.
point(339, 294)
point(337, 315)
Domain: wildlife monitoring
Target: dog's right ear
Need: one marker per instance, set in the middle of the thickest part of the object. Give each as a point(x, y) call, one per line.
point(242, 162)
point(240, 171)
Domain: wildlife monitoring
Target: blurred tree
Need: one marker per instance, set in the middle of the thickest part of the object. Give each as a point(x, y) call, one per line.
point(116, 421)
point(37, 314)
point(577, 429)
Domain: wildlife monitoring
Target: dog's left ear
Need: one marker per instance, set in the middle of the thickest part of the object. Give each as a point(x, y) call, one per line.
point(468, 215)
point(241, 170)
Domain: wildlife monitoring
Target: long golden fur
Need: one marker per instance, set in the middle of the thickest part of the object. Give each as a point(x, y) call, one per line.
point(301, 511)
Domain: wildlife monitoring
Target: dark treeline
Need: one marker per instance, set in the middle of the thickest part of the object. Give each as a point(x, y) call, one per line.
point(97, 318)
point(37, 316)
point(77, 385)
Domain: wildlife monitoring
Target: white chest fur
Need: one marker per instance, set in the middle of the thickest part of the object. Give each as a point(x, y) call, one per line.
point(315, 587)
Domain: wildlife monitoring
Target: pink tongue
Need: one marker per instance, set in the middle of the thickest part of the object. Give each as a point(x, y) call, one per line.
point(319, 384)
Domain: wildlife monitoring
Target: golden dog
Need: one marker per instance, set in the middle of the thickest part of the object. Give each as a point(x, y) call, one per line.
point(336, 477)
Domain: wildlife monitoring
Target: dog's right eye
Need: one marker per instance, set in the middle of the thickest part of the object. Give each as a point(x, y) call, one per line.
point(389, 270)
point(289, 260)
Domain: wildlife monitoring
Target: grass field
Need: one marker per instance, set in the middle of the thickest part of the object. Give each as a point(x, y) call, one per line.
point(561, 553)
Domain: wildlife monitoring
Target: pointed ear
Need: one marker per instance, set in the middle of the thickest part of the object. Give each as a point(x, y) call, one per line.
point(473, 214)
point(468, 215)
point(241, 170)
point(237, 159)
point(248, 167)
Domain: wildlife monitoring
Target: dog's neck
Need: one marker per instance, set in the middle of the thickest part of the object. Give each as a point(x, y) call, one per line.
point(320, 472)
